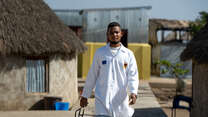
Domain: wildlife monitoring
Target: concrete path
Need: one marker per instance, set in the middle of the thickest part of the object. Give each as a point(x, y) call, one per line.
point(146, 106)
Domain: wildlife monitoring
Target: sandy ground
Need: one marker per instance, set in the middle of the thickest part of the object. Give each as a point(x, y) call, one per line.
point(164, 90)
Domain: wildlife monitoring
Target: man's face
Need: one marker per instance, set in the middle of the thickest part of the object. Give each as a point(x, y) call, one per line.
point(114, 35)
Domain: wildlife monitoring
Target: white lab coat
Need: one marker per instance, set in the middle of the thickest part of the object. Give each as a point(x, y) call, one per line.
point(112, 75)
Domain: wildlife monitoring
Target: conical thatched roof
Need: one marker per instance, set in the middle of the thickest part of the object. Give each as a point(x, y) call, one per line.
point(29, 27)
point(197, 49)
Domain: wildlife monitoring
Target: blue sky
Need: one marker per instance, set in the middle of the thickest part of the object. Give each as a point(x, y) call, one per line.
point(169, 9)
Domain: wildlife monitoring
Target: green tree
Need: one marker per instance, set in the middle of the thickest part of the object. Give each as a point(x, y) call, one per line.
point(199, 22)
point(176, 72)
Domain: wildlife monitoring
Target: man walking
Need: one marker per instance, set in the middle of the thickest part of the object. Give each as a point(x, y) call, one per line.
point(113, 73)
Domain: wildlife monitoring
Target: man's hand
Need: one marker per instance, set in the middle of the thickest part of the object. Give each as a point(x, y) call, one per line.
point(132, 99)
point(83, 102)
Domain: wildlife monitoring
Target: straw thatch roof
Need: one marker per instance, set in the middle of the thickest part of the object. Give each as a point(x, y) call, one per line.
point(169, 24)
point(197, 49)
point(29, 27)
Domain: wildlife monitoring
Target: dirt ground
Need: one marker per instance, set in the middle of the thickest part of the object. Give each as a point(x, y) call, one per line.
point(164, 90)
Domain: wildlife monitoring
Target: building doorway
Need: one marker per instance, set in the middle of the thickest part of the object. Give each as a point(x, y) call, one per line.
point(124, 39)
point(77, 30)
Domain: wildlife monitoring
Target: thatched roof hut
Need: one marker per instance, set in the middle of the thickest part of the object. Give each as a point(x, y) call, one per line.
point(165, 24)
point(156, 25)
point(29, 27)
point(197, 50)
point(38, 57)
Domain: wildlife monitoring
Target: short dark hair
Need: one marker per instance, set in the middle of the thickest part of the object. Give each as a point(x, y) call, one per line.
point(112, 24)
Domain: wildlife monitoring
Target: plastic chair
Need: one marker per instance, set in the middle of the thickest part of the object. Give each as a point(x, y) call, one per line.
point(176, 104)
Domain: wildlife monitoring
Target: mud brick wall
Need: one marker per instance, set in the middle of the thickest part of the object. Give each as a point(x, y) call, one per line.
point(13, 94)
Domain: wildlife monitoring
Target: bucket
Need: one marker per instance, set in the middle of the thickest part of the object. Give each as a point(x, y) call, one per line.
point(62, 106)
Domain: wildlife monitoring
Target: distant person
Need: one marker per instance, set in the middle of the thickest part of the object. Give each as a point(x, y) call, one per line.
point(113, 73)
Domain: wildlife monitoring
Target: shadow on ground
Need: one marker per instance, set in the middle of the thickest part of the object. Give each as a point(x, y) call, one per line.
point(149, 112)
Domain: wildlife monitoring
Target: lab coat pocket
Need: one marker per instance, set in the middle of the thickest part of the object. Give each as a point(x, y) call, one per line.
point(105, 61)
point(104, 68)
